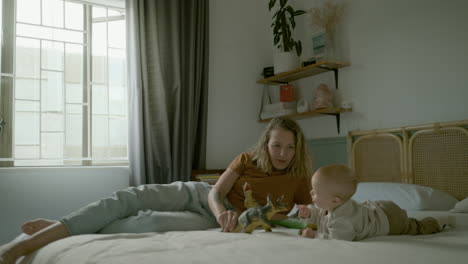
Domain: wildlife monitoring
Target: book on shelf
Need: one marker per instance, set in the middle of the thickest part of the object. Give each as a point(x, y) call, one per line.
point(210, 178)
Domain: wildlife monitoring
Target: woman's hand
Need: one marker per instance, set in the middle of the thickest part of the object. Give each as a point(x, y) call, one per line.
point(304, 211)
point(308, 232)
point(227, 220)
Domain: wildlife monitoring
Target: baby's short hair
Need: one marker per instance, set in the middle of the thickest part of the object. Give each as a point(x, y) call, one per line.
point(341, 177)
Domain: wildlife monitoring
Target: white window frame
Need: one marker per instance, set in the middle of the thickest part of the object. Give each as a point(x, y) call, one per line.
point(7, 98)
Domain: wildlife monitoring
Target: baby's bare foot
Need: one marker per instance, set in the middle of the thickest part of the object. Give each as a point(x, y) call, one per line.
point(32, 227)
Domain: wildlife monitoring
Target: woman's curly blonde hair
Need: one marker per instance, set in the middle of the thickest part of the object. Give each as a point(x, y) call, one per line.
point(300, 165)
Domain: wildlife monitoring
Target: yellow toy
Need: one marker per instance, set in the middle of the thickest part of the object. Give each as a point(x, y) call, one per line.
point(249, 201)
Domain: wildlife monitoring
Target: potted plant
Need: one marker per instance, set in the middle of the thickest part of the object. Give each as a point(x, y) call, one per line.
point(283, 24)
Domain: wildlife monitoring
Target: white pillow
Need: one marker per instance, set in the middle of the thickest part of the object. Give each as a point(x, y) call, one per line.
point(410, 197)
point(461, 207)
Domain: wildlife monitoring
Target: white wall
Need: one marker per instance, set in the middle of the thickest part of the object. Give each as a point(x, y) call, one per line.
point(238, 38)
point(30, 193)
point(409, 62)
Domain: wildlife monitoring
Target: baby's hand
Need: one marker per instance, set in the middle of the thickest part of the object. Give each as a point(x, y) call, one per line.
point(304, 211)
point(308, 232)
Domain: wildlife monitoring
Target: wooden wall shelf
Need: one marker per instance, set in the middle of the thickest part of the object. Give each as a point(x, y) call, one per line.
point(327, 111)
point(315, 113)
point(309, 70)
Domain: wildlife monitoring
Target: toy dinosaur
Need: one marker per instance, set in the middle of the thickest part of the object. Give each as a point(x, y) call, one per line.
point(255, 215)
point(259, 216)
point(249, 201)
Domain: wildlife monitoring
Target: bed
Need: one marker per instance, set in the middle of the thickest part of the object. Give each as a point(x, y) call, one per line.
point(422, 168)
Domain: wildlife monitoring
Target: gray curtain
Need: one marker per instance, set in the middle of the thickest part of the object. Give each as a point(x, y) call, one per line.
point(167, 54)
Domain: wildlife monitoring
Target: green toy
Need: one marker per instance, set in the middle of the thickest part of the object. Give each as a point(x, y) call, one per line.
point(293, 223)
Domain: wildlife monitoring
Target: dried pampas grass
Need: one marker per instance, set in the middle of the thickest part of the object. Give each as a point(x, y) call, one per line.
point(327, 16)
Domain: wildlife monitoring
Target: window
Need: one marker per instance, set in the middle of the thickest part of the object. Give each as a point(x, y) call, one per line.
point(63, 94)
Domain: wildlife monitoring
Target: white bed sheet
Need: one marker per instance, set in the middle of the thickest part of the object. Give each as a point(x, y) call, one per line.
point(280, 246)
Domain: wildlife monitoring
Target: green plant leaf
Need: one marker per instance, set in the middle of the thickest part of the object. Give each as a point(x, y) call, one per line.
point(271, 4)
point(276, 39)
point(283, 3)
point(276, 30)
point(275, 15)
point(290, 10)
point(298, 45)
point(299, 12)
point(293, 23)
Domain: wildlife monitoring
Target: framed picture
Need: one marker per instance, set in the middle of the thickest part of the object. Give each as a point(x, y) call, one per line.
point(318, 45)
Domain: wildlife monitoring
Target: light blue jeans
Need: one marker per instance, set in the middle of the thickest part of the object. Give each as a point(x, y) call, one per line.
point(177, 206)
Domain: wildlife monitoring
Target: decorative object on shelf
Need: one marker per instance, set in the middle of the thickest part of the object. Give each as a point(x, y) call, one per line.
point(318, 45)
point(323, 97)
point(302, 105)
point(308, 62)
point(268, 72)
point(285, 61)
point(347, 104)
point(278, 109)
point(283, 24)
point(287, 93)
point(326, 18)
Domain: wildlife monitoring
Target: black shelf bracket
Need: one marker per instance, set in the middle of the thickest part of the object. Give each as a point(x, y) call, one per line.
point(337, 117)
point(335, 71)
point(279, 82)
point(336, 77)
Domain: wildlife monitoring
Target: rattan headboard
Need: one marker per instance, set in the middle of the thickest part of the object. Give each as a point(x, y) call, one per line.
point(434, 155)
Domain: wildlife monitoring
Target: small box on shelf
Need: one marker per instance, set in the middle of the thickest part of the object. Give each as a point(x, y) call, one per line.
point(286, 93)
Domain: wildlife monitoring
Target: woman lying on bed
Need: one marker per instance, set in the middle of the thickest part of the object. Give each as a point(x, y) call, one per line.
point(278, 164)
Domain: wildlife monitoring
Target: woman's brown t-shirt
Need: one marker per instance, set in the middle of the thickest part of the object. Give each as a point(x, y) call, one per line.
point(295, 190)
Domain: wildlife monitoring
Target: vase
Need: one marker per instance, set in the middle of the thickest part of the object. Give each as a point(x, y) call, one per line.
point(285, 61)
point(331, 46)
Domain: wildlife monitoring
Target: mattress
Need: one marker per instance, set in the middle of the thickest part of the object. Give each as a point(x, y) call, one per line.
point(280, 246)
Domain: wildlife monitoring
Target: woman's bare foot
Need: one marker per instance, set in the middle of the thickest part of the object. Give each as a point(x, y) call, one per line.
point(7, 255)
point(33, 226)
point(46, 231)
